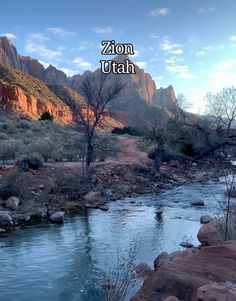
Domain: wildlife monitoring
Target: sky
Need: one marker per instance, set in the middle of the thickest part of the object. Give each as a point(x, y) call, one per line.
point(189, 44)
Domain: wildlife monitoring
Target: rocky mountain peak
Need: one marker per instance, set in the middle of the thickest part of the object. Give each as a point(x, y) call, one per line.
point(8, 53)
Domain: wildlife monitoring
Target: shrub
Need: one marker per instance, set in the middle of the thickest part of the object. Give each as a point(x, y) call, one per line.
point(8, 150)
point(17, 184)
point(30, 162)
point(187, 149)
point(126, 130)
point(46, 116)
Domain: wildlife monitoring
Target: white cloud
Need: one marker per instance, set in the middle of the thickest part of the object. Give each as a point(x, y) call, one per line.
point(141, 64)
point(58, 31)
point(177, 51)
point(84, 45)
point(154, 36)
point(158, 80)
point(103, 30)
point(136, 53)
point(160, 12)
point(10, 35)
point(69, 72)
point(206, 10)
point(36, 44)
point(181, 71)
point(45, 64)
point(82, 63)
point(223, 76)
point(169, 47)
point(214, 47)
point(233, 38)
point(200, 53)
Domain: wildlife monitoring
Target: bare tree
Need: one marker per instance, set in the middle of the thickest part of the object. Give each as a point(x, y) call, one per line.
point(223, 106)
point(184, 105)
point(98, 90)
point(230, 181)
point(122, 278)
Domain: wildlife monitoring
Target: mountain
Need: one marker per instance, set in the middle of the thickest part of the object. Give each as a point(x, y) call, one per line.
point(139, 96)
point(22, 94)
point(9, 56)
point(26, 95)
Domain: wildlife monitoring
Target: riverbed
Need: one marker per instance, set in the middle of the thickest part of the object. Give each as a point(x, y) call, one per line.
point(67, 262)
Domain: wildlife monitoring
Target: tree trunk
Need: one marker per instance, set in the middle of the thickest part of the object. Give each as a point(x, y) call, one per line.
point(89, 157)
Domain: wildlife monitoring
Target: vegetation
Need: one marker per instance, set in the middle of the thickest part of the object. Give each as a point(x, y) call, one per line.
point(222, 106)
point(99, 91)
point(46, 116)
point(22, 138)
point(31, 85)
point(126, 130)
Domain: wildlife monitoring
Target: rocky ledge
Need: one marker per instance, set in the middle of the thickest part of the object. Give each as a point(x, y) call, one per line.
point(198, 274)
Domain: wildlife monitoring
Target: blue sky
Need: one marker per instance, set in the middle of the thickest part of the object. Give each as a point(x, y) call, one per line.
point(190, 44)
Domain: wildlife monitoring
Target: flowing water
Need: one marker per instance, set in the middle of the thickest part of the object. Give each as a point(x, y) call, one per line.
point(67, 262)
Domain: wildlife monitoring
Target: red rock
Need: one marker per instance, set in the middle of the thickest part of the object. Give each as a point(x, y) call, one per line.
point(209, 235)
point(182, 278)
point(216, 292)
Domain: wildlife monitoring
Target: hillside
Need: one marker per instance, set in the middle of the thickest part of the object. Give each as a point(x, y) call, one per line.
point(22, 94)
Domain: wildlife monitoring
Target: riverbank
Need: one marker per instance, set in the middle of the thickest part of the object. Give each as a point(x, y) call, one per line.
point(203, 273)
point(62, 188)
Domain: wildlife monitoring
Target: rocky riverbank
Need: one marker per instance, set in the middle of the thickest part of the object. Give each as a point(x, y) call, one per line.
point(203, 273)
point(56, 190)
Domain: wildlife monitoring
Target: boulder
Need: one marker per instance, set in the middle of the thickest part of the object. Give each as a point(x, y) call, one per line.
point(198, 203)
point(186, 244)
point(57, 217)
point(5, 220)
point(161, 259)
point(183, 277)
point(205, 219)
point(209, 235)
point(104, 207)
point(12, 203)
point(92, 196)
point(2, 230)
point(165, 258)
point(142, 269)
point(172, 298)
point(216, 292)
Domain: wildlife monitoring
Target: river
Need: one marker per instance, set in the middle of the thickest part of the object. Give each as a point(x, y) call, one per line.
point(67, 262)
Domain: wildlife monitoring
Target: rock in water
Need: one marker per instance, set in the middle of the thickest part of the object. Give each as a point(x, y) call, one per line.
point(57, 217)
point(142, 269)
point(209, 235)
point(5, 220)
point(12, 203)
point(205, 219)
point(198, 203)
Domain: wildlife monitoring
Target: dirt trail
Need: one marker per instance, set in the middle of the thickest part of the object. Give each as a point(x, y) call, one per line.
point(130, 152)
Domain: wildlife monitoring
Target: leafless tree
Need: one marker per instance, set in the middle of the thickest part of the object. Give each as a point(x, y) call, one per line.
point(122, 278)
point(98, 90)
point(184, 105)
point(223, 106)
point(230, 182)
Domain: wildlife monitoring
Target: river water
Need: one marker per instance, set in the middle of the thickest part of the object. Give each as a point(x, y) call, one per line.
point(67, 262)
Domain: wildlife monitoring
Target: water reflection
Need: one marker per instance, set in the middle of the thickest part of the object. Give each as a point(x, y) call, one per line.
point(66, 262)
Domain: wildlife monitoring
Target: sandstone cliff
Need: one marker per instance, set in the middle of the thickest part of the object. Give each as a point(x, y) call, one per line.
point(141, 89)
point(9, 56)
point(23, 94)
